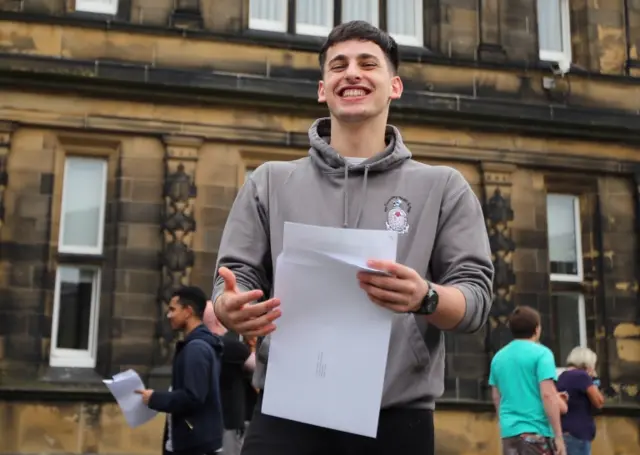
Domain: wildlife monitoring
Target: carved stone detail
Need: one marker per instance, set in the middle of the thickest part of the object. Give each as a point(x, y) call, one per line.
point(490, 47)
point(499, 216)
point(187, 15)
point(178, 228)
point(5, 144)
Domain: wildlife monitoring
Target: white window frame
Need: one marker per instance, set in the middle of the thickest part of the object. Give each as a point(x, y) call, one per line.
point(96, 6)
point(579, 276)
point(62, 248)
point(76, 358)
point(316, 30)
point(563, 57)
point(416, 40)
point(255, 23)
point(376, 12)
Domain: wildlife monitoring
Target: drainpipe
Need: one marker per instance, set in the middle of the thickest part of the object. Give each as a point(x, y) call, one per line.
point(601, 293)
point(627, 35)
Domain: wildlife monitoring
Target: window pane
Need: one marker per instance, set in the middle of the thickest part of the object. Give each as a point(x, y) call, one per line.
point(364, 10)
point(97, 6)
point(561, 227)
point(404, 19)
point(75, 306)
point(83, 205)
point(569, 324)
point(314, 16)
point(270, 10)
point(550, 25)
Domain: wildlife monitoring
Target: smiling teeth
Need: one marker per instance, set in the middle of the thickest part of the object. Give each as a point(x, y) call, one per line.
point(353, 92)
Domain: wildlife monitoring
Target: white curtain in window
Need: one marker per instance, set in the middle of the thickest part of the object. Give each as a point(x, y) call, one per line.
point(364, 10)
point(97, 6)
point(550, 25)
point(404, 21)
point(83, 203)
point(314, 17)
point(561, 226)
point(268, 15)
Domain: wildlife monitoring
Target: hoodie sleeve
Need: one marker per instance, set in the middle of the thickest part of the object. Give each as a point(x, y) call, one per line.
point(235, 351)
point(462, 255)
point(244, 247)
point(197, 374)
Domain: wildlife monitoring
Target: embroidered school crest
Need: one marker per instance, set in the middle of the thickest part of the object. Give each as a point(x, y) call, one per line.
point(397, 209)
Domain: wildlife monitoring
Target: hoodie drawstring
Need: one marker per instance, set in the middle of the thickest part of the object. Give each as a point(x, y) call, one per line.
point(345, 222)
point(345, 201)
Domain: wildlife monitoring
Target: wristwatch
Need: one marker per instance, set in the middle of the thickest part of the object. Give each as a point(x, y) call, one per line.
point(429, 303)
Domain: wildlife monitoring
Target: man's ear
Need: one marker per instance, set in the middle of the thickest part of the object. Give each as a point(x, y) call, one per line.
point(396, 88)
point(321, 94)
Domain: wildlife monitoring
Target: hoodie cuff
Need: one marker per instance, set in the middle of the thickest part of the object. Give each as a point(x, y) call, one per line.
point(471, 321)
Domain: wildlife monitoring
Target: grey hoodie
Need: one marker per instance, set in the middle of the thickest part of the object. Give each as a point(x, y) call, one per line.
point(442, 236)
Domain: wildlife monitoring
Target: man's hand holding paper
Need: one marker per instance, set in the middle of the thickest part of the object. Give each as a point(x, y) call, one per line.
point(402, 290)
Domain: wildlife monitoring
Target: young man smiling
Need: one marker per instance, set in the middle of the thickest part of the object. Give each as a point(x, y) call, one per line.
point(360, 175)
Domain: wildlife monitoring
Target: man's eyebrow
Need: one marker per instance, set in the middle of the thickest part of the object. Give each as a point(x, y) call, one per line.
point(342, 57)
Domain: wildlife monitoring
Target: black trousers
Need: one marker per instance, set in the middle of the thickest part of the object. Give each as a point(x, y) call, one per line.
point(400, 431)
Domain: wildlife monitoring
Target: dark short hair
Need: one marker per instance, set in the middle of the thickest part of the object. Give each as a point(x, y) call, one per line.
point(193, 297)
point(363, 31)
point(523, 322)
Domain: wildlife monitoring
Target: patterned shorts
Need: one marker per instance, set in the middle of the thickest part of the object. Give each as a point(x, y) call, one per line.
point(528, 444)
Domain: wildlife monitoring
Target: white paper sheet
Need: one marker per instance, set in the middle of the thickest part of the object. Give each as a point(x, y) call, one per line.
point(123, 387)
point(328, 355)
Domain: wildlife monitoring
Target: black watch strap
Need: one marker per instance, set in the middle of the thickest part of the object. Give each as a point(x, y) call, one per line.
point(429, 303)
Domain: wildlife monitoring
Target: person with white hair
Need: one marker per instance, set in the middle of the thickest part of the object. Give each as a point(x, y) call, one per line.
point(579, 381)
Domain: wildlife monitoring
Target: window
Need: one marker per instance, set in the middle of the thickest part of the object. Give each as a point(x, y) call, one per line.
point(268, 15)
point(364, 10)
point(314, 17)
point(570, 323)
point(83, 206)
point(554, 31)
point(97, 6)
point(403, 18)
point(569, 326)
point(565, 241)
point(77, 286)
point(404, 21)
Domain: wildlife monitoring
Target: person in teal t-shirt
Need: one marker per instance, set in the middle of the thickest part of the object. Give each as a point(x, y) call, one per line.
point(522, 377)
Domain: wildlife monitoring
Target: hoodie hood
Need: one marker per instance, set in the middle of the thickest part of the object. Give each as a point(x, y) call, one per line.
point(330, 162)
point(203, 333)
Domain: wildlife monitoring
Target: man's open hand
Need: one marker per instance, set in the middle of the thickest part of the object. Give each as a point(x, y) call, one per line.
point(402, 292)
point(236, 311)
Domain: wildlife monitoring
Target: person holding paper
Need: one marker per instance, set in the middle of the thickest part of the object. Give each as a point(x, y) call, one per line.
point(360, 175)
point(193, 405)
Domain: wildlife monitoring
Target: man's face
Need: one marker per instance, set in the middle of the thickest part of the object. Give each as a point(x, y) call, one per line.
point(358, 81)
point(178, 314)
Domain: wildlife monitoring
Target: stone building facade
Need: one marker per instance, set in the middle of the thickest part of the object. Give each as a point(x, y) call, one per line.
point(127, 127)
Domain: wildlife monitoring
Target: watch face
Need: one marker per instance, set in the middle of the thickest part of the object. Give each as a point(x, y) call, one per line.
point(431, 301)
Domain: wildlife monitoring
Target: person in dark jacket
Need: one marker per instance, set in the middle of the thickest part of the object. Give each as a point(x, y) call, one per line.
point(237, 361)
point(193, 404)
